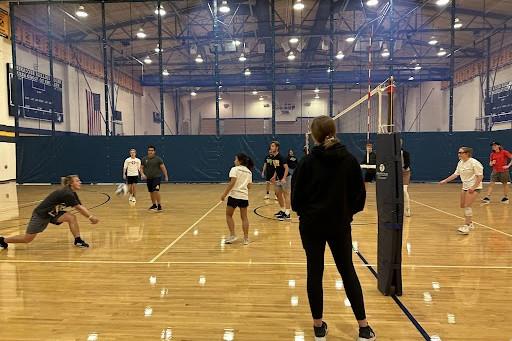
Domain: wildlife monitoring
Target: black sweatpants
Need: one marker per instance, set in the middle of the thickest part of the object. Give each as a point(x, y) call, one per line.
point(339, 239)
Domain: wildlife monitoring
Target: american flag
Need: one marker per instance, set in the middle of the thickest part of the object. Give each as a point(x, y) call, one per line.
point(94, 116)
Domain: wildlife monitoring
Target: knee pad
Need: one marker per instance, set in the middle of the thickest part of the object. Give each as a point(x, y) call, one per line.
point(468, 212)
point(406, 187)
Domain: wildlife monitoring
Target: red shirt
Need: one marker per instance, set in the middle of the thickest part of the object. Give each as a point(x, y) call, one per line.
point(501, 159)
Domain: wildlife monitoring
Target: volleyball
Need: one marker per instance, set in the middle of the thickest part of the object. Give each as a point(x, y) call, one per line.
point(121, 189)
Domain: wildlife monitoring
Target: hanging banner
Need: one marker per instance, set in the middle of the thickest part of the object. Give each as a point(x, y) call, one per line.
point(4, 24)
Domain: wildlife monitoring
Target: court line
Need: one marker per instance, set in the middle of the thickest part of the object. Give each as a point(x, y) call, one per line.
point(456, 216)
point(482, 267)
point(185, 232)
point(399, 303)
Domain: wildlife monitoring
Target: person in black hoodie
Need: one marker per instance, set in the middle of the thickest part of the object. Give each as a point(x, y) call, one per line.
point(327, 191)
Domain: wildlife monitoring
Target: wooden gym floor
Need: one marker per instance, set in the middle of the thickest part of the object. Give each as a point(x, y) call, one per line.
point(167, 276)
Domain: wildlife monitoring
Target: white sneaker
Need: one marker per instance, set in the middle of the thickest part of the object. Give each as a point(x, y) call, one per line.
point(275, 198)
point(267, 196)
point(134, 200)
point(471, 226)
point(464, 229)
point(230, 239)
point(246, 241)
point(408, 212)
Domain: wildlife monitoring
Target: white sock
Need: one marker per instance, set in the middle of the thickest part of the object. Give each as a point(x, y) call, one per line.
point(287, 211)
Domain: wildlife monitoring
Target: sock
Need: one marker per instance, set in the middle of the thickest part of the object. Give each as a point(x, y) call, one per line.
point(287, 211)
point(282, 209)
point(268, 192)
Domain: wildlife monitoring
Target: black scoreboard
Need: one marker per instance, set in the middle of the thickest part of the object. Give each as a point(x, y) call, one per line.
point(500, 103)
point(36, 96)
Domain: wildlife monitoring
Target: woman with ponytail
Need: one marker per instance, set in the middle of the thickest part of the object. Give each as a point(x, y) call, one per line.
point(237, 192)
point(52, 210)
point(327, 191)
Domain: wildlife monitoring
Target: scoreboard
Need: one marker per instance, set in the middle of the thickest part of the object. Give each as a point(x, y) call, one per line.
point(36, 95)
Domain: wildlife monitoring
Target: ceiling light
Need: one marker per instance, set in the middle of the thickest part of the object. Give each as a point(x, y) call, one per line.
point(441, 52)
point(417, 67)
point(193, 93)
point(411, 78)
point(242, 58)
point(316, 90)
point(298, 5)
point(317, 96)
point(291, 56)
point(458, 23)
point(199, 59)
point(237, 42)
point(442, 2)
point(165, 72)
point(433, 41)
point(157, 48)
point(293, 40)
point(148, 60)
point(260, 99)
point(372, 3)
point(255, 92)
point(340, 55)
point(329, 70)
point(247, 72)
point(350, 39)
point(81, 13)
point(220, 98)
point(160, 10)
point(224, 8)
point(141, 34)
point(385, 53)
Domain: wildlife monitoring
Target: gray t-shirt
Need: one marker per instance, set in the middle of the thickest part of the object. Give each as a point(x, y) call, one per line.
point(152, 167)
point(54, 203)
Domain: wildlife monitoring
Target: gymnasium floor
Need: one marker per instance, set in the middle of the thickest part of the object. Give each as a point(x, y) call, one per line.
point(167, 276)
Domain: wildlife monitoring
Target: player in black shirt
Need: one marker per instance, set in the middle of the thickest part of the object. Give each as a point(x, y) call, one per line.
point(282, 180)
point(291, 161)
point(51, 210)
point(370, 159)
point(268, 172)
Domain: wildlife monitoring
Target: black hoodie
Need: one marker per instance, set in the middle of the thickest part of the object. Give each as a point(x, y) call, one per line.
point(328, 187)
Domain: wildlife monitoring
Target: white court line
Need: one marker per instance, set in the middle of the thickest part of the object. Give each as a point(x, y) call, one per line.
point(22, 261)
point(185, 232)
point(456, 216)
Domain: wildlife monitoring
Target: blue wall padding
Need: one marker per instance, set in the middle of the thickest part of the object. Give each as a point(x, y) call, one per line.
point(209, 158)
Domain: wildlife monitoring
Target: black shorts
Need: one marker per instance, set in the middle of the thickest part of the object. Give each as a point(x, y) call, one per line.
point(153, 184)
point(269, 176)
point(232, 202)
point(132, 180)
point(369, 176)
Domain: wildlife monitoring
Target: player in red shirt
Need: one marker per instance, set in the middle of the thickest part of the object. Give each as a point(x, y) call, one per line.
point(500, 161)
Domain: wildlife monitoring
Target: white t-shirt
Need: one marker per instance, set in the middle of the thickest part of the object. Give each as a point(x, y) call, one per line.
point(131, 166)
point(243, 178)
point(468, 170)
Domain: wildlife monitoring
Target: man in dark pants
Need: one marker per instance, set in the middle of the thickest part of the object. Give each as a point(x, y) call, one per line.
point(370, 159)
point(151, 169)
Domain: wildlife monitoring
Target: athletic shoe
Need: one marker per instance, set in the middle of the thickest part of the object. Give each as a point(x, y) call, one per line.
point(3, 244)
point(366, 334)
point(134, 200)
point(504, 200)
point(246, 241)
point(153, 207)
point(486, 200)
point(267, 196)
point(275, 197)
point(159, 208)
point(464, 229)
point(230, 239)
point(284, 216)
point(408, 212)
point(80, 243)
point(321, 332)
point(278, 214)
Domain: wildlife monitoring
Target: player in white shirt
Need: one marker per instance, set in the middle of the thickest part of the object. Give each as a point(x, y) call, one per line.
point(471, 173)
point(131, 171)
point(237, 192)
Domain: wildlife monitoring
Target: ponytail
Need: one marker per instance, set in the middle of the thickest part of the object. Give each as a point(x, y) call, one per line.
point(323, 130)
point(245, 161)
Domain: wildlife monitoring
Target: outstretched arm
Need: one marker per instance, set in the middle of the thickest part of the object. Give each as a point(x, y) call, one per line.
point(85, 212)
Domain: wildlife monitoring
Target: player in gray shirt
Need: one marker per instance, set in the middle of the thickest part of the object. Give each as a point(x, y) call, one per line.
point(151, 169)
